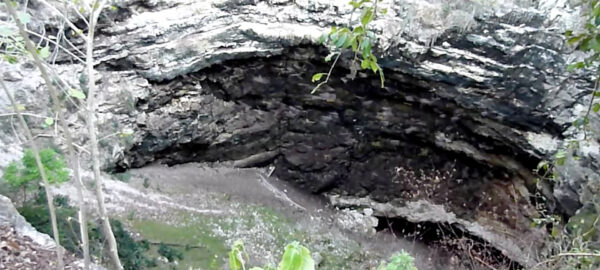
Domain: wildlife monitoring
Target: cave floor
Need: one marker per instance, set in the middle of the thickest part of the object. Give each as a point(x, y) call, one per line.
point(201, 209)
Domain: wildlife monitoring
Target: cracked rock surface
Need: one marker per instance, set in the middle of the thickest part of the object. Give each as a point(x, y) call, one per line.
point(475, 96)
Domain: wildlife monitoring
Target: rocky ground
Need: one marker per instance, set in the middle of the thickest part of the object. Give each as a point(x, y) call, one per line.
point(20, 252)
point(208, 207)
point(24, 248)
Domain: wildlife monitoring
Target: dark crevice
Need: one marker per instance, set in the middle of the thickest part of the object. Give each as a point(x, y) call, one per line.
point(472, 251)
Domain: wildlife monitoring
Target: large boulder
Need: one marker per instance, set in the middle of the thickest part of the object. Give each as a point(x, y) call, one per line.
point(10, 217)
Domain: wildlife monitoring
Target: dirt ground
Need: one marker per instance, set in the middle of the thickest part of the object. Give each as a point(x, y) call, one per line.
point(204, 208)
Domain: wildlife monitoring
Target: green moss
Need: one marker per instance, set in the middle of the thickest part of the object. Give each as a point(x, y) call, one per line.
point(201, 249)
point(260, 228)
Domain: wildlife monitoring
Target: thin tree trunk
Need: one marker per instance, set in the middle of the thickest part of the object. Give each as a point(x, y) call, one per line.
point(69, 139)
point(38, 161)
point(91, 122)
point(85, 241)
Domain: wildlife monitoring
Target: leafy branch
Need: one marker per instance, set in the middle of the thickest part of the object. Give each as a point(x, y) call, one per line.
point(359, 39)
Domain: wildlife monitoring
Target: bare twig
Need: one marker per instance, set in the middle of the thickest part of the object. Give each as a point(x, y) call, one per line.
point(75, 29)
point(587, 114)
point(566, 254)
point(328, 74)
point(57, 45)
point(35, 115)
point(481, 261)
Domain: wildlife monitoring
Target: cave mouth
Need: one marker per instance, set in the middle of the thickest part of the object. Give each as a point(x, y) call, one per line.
point(471, 251)
point(352, 138)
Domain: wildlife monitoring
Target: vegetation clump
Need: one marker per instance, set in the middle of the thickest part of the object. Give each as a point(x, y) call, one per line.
point(25, 175)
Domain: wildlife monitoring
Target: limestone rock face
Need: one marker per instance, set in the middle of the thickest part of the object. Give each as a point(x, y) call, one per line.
point(9, 216)
point(475, 96)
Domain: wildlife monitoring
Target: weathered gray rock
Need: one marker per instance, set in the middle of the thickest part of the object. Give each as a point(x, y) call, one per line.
point(516, 247)
point(9, 216)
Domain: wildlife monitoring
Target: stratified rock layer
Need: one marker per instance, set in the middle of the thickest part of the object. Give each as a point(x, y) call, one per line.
point(475, 96)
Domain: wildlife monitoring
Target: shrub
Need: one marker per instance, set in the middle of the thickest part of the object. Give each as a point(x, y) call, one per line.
point(298, 257)
point(131, 252)
point(399, 261)
point(170, 253)
point(25, 175)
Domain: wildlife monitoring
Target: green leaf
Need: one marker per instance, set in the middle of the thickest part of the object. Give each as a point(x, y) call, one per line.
point(349, 41)
point(580, 121)
point(333, 30)
point(374, 66)
point(323, 39)
point(358, 30)
point(44, 52)
point(77, 94)
point(596, 107)
point(585, 44)
point(318, 77)
point(341, 40)
point(49, 121)
point(24, 17)
point(365, 64)
point(296, 257)
point(236, 256)
point(574, 66)
point(594, 44)
point(367, 16)
point(543, 165)
point(11, 59)
point(334, 36)
point(574, 40)
point(597, 93)
point(365, 47)
point(382, 78)
point(568, 33)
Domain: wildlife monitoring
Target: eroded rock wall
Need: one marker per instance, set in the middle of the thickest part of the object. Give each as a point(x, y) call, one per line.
point(476, 95)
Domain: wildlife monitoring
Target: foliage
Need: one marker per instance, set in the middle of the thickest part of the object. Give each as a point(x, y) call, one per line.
point(399, 261)
point(170, 253)
point(295, 257)
point(132, 253)
point(574, 243)
point(358, 38)
point(25, 174)
point(14, 45)
point(237, 256)
point(37, 214)
point(298, 257)
point(588, 42)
